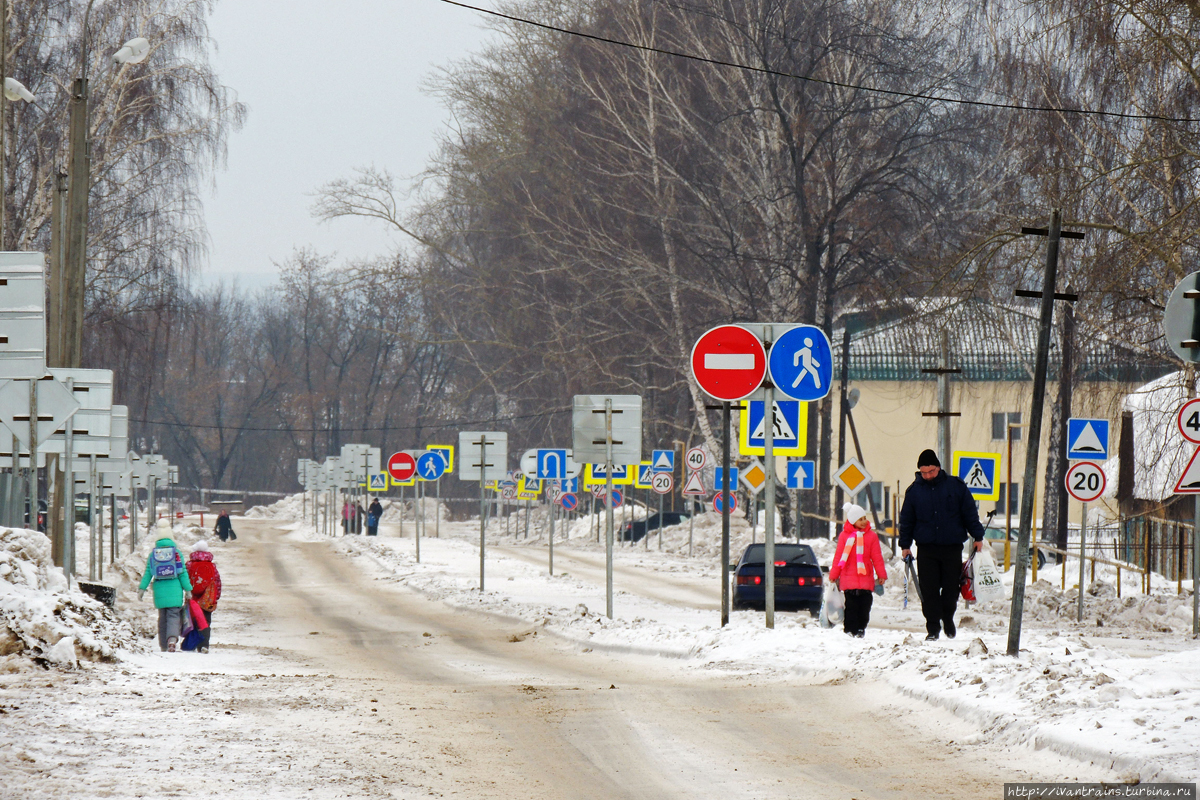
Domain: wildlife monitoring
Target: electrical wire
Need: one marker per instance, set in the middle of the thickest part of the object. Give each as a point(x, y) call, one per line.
point(822, 81)
point(430, 426)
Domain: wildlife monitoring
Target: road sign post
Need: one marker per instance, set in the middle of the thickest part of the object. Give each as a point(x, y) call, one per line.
point(482, 455)
point(1085, 482)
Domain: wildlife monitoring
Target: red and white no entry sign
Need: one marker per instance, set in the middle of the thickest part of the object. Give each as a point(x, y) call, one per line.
point(401, 466)
point(1086, 481)
point(729, 362)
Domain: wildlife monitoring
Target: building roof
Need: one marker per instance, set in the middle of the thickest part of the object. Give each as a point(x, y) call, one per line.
point(988, 341)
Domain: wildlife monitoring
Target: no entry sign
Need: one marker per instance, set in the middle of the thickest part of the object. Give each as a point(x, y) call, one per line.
point(401, 466)
point(729, 362)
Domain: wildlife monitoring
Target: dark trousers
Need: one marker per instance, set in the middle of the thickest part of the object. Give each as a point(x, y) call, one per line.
point(206, 634)
point(939, 569)
point(372, 530)
point(858, 610)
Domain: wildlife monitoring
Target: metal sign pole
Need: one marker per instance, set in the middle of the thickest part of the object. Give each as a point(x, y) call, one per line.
point(13, 520)
point(33, 448)
point(417, 520)
point(93, 540)
point(608, 510)
point(769, 511)
point(1196, 571)
point(482, 504)
point(1082, 551)
point(724, 489)
point(437, 519)
point(68, 486)
point(552, 515)
point(660, 520)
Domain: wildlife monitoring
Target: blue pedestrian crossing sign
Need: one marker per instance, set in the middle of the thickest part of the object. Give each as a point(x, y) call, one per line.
point(551, 464)
point(596, 475)
point(663, 461)
point(378, 482)
point(645, 474)
point(980, 472)
point(431, 465)
point(718, 485)
point(1087, 439)
point(801, 363)
point(791, 428)
point(801, 474)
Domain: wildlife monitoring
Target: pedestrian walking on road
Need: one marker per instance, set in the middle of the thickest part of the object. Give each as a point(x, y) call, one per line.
point(858, 569)
point(939, 514)
point(373, 515)
point(165, 570)
point(206, 588)
point(347, 516)
point(360, 516)
point(224, 527)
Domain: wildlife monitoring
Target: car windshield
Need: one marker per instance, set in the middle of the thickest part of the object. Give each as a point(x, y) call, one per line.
point(800, 554)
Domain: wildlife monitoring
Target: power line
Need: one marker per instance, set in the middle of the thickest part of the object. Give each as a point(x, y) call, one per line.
point(433, 425)
point(808, 78)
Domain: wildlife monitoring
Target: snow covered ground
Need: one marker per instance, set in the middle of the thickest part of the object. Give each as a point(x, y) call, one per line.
point(1120, 689)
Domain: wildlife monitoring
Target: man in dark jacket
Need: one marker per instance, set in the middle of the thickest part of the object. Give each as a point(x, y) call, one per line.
point(938, 514)
point(373, 515)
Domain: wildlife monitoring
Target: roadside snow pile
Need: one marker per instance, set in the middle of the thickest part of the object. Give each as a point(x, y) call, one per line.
point(40, 620)
point(290, 507)
point(1163, 613)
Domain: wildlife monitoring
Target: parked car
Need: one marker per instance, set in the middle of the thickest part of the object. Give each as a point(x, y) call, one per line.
point(798, 578)
point(634, 531)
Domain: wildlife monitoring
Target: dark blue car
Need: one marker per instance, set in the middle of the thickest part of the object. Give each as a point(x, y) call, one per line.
point(798, 578)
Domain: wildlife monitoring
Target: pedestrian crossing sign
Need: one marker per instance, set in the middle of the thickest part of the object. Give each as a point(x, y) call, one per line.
point(980, 472)
point(790, 436)
point(378, 482)
point(645, 474)
point(596, 475)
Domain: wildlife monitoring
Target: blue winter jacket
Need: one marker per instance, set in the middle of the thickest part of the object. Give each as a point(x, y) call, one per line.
point(940, 511)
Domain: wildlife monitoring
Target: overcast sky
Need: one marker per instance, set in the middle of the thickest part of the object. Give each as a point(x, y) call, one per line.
point(330, 86)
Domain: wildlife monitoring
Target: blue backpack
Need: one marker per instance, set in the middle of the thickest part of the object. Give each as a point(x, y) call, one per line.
point(165, 563)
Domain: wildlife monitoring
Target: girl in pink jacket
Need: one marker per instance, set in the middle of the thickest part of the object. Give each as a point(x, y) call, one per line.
point(857, 569)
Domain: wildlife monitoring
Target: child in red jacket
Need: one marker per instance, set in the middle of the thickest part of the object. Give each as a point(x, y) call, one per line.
point(857, 569)
point(206, 587)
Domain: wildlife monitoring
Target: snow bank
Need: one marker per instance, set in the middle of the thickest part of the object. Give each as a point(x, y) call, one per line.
point(43, 622)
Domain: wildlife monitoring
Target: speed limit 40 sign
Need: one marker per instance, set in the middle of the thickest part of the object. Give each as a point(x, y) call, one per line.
point(1189, 421)
point(697, 457)
point(1086, 481)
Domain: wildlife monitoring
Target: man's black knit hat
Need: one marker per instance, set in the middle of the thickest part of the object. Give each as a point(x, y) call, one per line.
point(928, 458)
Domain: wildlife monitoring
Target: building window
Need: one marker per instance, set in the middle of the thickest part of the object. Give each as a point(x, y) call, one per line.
point(1010, 493)
point(1000, 423)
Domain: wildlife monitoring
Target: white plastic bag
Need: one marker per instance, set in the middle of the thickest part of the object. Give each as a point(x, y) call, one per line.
point(833, 605)
point(987, 577)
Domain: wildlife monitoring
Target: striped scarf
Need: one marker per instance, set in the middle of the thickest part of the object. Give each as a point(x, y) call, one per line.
point(856, 539)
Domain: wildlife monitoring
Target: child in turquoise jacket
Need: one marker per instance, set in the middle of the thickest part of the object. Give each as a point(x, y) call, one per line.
point(165, 570)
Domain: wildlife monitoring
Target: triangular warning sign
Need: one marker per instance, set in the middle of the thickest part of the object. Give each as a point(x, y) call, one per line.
point(1087, 441)
point(783, 428)
point(663, 462)
point(694, 485)
point(976, 478)
point(1189, 481)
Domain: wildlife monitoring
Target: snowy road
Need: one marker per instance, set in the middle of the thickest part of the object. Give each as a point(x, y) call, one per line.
point(329, 678)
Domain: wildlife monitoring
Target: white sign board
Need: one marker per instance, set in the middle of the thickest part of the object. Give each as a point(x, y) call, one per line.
point(473, 447)
point(590, 428)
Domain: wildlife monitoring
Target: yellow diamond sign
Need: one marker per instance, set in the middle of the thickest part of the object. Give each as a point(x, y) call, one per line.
point(852, 477)
point(754, 476)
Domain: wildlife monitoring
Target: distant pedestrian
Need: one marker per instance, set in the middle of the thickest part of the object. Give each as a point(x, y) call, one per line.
point(165, 570)
point(939, 514)
point(373, 515)
point(858, 569)
point(206, 588)
point(347, 516)
point(224, 527)
point(360, 515)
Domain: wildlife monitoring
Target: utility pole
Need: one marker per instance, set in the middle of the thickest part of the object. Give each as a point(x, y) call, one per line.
point(1047, 295)
point(75, 256)
point(943, 414)
point(843, 409)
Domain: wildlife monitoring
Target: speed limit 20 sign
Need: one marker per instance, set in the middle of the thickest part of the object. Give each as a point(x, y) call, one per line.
point(1086, 481)
point(662, 482)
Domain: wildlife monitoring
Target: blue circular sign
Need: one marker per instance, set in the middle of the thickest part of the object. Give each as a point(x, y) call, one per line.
point(718, 502)
point(431, 465)
point(618, 499)
point(801, 363)
point(569, 501)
